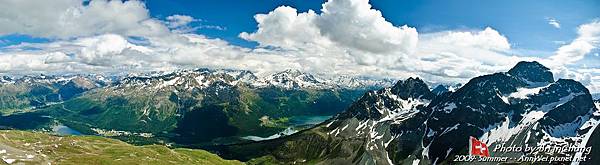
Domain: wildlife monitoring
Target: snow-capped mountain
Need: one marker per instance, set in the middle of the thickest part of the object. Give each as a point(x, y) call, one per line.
point(375, 116)
point(287, 79)
point(523, 107)
point(183, 80)
point(511, 108)
point(292, 79)
point(202, 78)
point(408, 124)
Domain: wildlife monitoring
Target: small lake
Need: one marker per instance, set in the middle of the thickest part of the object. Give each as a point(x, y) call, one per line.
point(297, 123)
point(64, 130)
point(307, 120)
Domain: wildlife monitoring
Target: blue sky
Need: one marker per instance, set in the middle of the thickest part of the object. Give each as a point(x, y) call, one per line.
point(523, 22)
point(439, 41)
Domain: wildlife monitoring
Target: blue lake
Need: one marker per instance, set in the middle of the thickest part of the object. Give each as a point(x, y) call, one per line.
point(296, 124)
point(307, 120)
point(64, 130)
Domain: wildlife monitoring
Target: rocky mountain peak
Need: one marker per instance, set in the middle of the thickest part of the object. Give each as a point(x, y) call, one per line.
point(292, 78)
point(392, 103)
point(412, 88)
point(292, 72)
point(532, 72)
point(295, 74)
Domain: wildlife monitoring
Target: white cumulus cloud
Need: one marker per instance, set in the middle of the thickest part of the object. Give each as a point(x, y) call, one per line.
point(348, 27)
point(71, 18)
point(588, 39)
point(285, 28)
point(352, 23)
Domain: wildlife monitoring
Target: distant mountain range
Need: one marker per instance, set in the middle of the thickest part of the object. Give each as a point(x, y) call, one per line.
point(290, 79)
point(409, 124)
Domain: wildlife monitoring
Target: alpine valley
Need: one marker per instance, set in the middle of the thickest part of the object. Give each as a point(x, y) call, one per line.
point(186, 107)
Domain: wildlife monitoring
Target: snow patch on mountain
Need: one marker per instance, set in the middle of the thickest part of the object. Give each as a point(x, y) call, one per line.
point(524, 93)
point(561, 101)
point(504, 131)
point(449, 107)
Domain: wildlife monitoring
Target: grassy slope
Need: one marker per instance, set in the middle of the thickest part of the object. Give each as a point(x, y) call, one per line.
point(44, 148)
